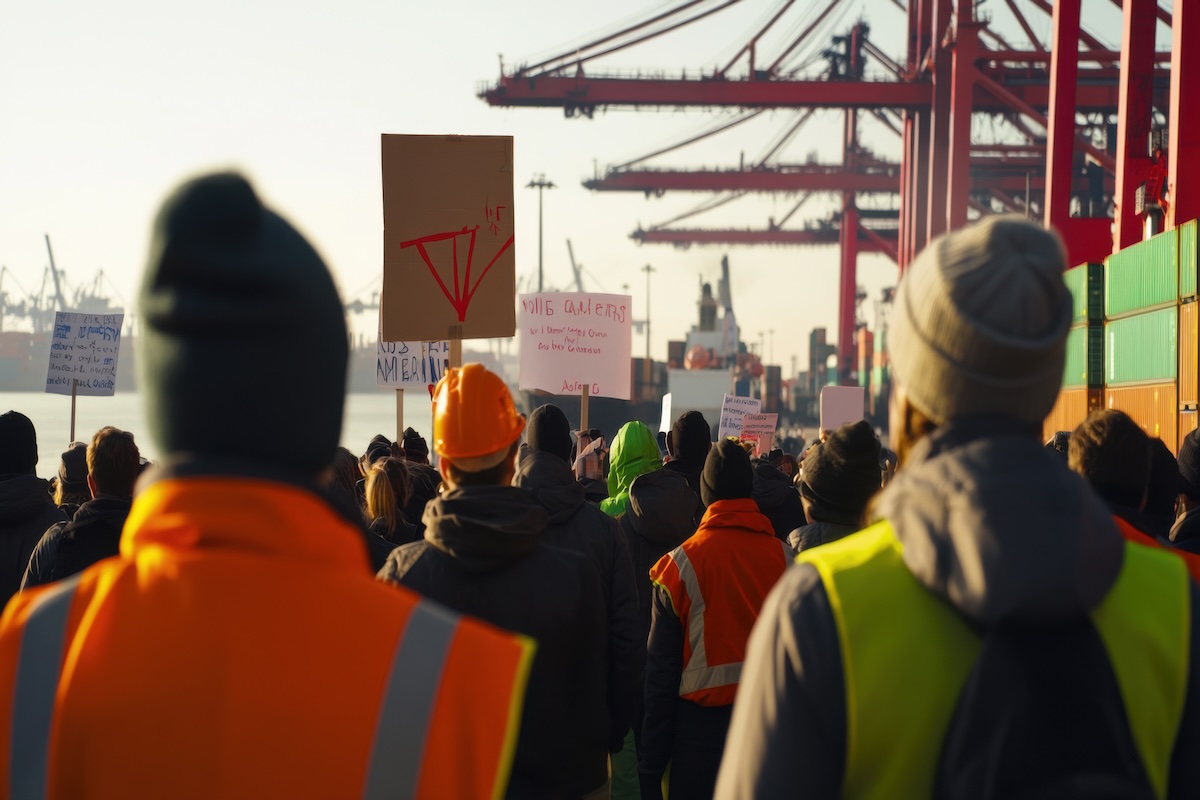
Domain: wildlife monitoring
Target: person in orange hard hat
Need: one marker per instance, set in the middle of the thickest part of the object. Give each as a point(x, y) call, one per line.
point(239, 646)
point(483, 555)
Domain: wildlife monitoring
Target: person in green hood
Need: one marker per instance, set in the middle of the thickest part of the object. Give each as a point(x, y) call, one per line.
point(634, 452)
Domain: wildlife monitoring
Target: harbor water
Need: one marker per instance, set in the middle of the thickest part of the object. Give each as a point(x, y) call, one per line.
point(366, 415)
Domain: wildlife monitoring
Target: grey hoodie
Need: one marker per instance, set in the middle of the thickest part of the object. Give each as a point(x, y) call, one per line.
point(990, 522)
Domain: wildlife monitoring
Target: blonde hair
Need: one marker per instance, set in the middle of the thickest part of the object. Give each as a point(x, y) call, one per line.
point(387, 491)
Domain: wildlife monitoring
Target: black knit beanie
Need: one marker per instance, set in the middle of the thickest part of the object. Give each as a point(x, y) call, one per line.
point(73, 471)
point(414, 446)
point(549, 432)
point(690, 437)
point(842, 473)
point(727, 474)
point(18, 444)
point(243, 351)
point(379, 447)
point(1189, 465)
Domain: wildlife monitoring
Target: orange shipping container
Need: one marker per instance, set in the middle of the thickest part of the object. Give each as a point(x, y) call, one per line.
point(1155, 407)
point(1189, 352)
point(1070, 410)
point(1187, 424)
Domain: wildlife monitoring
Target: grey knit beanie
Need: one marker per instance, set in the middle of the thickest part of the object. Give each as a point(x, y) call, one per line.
point(981, 321)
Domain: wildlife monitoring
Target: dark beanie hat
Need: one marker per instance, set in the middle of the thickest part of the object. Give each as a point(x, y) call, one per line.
point(690, 437)
point(18, 444)
point(727, 473)
point(413, 444)
point(73, 471)
point(241, 326)
point(842, 473)
point(549, 432)
point(379, 447)
point(1189, 465)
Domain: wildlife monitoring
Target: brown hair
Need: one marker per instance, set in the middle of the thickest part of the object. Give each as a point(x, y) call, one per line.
point(387, 491)
point(1113, 453)
point(113, 462)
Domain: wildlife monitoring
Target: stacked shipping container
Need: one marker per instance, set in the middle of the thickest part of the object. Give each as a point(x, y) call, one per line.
point(1083, 376)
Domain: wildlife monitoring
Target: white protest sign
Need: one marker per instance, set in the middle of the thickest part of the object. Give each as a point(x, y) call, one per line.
point(664, 424)
point(410, 365)
point(84, 353)
point(733, 408)
point(576, 340)
point(760, 429)
point(842, 404)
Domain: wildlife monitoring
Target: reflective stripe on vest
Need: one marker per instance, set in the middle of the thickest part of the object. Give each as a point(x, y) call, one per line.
point(396, 754)
point(408, 699)
point(39, 666)
point(906, 655)
point(697, 674)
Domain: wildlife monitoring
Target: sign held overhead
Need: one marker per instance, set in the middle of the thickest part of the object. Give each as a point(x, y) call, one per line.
point(83, 354)
point(449, 266)
point(572, 341)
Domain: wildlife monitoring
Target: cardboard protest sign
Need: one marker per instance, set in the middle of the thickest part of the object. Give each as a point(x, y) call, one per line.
point(410, 365)
point(573, 340)
point(760, 429)
point(842, 404)
point(733, 409)
point(83, 354)
point(664, 424)
point(449, 265)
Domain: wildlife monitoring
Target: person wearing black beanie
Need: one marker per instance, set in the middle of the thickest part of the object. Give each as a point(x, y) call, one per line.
point(416, 449)
point(715, 582)
point(423, 477)
point(26, 509)
point(1185, 533)
point(235, 566)
point(838, 478)
point(688, 444)
point(549, 431)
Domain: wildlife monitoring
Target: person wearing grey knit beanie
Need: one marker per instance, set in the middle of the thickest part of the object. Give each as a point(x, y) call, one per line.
point(992, 583)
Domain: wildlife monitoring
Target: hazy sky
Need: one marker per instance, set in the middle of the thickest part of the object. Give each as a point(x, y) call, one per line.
point(108, 105)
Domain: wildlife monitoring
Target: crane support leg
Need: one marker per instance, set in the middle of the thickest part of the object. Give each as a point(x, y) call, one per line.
point(1183, 142)
point(1134, 116)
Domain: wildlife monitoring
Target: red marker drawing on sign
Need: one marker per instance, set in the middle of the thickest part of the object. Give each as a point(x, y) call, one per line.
point(464, 291)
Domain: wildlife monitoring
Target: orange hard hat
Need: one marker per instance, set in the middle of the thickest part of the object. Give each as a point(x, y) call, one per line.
point(474, 419)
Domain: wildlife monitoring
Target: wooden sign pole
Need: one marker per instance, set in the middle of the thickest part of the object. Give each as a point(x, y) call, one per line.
point(74, 390)
point(456, 346)
point(583, 410)
point(399, 415)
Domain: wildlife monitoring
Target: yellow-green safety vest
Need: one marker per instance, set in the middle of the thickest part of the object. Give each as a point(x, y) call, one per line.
point(906, 655)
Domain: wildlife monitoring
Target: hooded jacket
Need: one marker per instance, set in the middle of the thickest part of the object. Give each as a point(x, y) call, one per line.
point(818, 533)
point(659, 519)
point(989, 523)
point(26, 513)
point(634, 452)
point(483, 555)
point(93, 534)
point(777, 499)
point(239, 648)
point(577, 525)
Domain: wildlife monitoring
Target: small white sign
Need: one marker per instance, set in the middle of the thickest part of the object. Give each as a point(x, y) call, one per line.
point(733, 409)
point(410, 365)
point(83, 354)
point(665, 422)
point(760, 429)
point(573, 340)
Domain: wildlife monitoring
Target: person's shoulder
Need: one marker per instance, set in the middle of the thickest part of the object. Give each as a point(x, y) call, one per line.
point(401, 560)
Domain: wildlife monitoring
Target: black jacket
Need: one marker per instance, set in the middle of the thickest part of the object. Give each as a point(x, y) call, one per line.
point(92, 535)
point(659, 519)
point(962, 510)
point(1185, 534)
point(26, 512)
point(577, 525)
point(691, 470)
point(423, 483)
point(483, 555)
point(777, 499)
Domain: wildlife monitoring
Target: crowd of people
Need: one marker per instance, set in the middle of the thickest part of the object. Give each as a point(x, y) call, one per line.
point(546, 613)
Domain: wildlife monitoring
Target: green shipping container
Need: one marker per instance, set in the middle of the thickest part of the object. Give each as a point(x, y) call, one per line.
point(1142, 348)
point(1142, 276)
point(1086, 285)
point(1187, 259)
point(1085, 357)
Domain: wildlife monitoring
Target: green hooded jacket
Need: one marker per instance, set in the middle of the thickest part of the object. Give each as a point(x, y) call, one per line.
point(634, 452)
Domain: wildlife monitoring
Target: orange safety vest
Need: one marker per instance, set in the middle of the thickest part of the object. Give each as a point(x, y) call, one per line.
point(239, 647)
point(717, 581)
